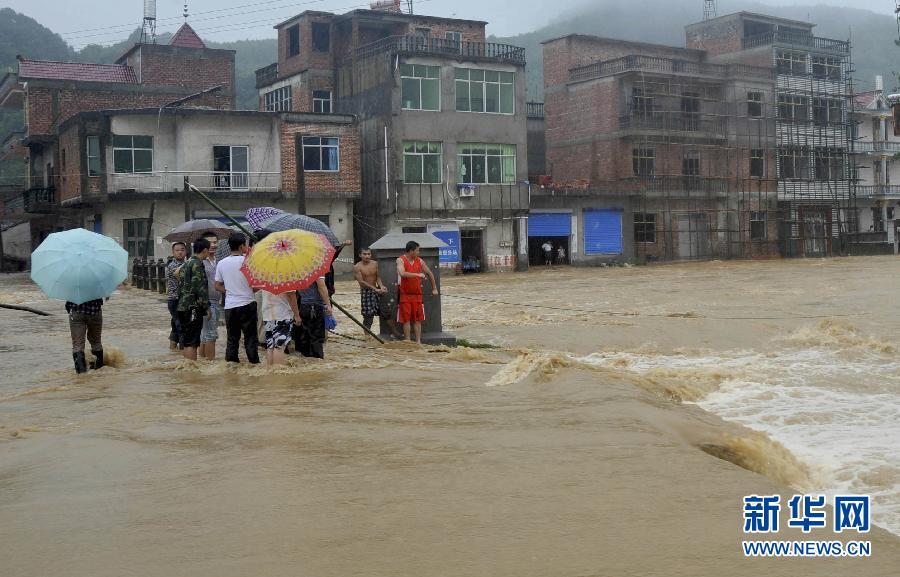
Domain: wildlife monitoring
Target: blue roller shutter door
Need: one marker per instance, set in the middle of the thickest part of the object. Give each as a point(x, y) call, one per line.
point(603, 231)
point(550, 224)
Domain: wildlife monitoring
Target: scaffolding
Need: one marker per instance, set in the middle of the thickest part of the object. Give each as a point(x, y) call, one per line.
point(735, 161)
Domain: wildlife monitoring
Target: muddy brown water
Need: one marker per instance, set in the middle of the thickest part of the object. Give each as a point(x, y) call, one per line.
point(614, 431)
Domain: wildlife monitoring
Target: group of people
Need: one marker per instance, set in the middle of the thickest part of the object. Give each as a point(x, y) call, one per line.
point(200, 290)
point(547, 248)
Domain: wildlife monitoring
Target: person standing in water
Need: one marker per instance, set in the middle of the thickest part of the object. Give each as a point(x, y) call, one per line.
point(179, 254)
point(86, 319)
point(411, 269)
point(371, 289)
point(193, 306)
point(210, 333)
point(241, 314)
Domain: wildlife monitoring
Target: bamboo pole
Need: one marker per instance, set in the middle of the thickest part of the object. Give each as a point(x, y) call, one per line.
point(26, 309)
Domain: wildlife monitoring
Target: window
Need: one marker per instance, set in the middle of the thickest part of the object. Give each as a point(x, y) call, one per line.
point(485, 91)
point(422, 162)
point(278, 100)
point(690, 163)
point(487, 163)
point(690, 111)
point(758, 228)
point(421, 87)
point(644, 227)
point(793, 108)
point(454, 41)
point(827, 110)
point(757, 163)
point(826, 67)
point(322, 101)
point(135, 232)
point(321, 36)
point(643, 161)
point(829, 164)
point(793, 63)
point(132, 154)
point(293, 40)
point(93, 155)
point(641, 104)
point(231, 167)
point(877, 220)
point(793, 163)
point(321, 154)
point(754, 104)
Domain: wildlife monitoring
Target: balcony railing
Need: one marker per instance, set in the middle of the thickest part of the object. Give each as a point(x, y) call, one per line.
point(39, 200)
point(640, 63)
point(443, 47)
point(534, 109)
point(796, 39)
point(877, 190)
point(675, 122)
point(266, 76)
point(173, 181)
point(877, 146)
point(674, 184)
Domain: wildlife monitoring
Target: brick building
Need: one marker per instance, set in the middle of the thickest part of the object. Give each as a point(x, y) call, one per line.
point(184, 73)
point(735, 146)
point(441, 116)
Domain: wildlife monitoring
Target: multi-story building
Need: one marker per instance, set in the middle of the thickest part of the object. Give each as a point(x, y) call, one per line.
point(716, 150)
point(442, 122)
point(876, 147)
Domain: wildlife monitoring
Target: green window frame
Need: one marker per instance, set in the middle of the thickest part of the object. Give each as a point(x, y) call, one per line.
point(422, 162)
point(93, 155)
point(132, 154)
point(486, 163)
point(487, 91)
point(420, 87)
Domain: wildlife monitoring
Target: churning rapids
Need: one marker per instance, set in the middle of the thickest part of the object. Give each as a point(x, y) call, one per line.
point(613, 430)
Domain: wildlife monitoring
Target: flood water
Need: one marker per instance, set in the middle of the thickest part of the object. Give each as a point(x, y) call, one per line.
point(614, 430)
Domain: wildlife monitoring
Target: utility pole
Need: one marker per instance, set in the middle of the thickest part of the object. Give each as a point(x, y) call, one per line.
point(301, 175)
point(187, 199)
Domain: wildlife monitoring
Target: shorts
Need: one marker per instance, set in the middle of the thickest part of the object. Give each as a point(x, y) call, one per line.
point(369, 304)
point(191, 327)
point(278, 333)
point(410, 312)
point(210, 331)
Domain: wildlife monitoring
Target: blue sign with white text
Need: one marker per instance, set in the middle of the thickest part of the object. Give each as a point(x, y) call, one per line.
point(450, 253)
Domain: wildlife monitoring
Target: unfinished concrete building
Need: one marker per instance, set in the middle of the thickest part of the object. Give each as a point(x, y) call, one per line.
point(735, 146)
point(442, 121)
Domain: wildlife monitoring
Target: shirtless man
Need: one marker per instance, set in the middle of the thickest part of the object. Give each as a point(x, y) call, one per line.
point(370, 290)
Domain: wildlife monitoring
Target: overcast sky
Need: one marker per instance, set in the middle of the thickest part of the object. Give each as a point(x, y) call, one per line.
point(107, 21)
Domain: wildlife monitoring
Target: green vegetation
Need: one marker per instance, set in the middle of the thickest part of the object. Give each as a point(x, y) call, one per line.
point(471, 345)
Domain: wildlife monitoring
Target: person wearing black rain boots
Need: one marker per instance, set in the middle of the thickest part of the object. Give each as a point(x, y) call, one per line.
point(86, 319)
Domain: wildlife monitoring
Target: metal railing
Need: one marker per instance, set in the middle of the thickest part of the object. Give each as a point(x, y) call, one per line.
point(875, 190)
point(796, 39)
point(534, 109)
point(674, 184)
point(207, 181)
point(443, 47)
point(641, 63)
point(877, 146)
point(267, 75)
point(676, 122)
point(39, 200)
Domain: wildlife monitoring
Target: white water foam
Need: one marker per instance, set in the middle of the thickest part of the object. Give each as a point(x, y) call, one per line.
point(838, 413)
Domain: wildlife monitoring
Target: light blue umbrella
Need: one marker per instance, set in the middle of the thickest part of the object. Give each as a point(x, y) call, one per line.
point(78, 265)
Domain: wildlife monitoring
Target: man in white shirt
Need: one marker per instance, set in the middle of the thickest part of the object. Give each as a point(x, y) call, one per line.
point(240, 304)
point(548, 252)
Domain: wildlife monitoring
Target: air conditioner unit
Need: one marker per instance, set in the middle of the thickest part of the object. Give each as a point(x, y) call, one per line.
point(466, 190)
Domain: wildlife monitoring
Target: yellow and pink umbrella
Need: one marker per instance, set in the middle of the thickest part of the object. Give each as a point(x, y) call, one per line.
point(288, 260)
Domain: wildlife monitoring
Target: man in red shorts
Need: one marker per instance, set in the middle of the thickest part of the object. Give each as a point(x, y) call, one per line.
point(410, 308)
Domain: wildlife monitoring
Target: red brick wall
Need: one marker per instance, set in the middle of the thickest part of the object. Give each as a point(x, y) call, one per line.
point(308, 58)
point(347, 180)
point(71, 101)
point(716, 37)
point(190, 68)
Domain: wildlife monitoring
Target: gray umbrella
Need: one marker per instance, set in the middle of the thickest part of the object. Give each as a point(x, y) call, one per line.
point(288, 221)
point(194, 229)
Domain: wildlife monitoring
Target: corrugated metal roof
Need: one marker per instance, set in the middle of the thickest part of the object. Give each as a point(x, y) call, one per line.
point(81, 71)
